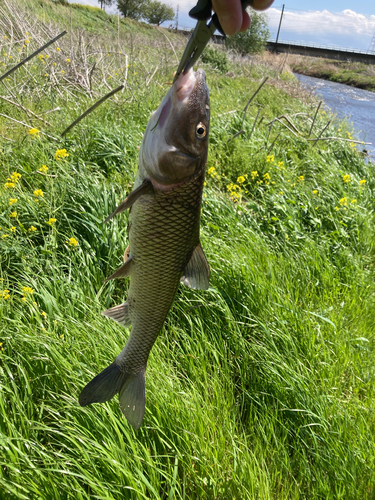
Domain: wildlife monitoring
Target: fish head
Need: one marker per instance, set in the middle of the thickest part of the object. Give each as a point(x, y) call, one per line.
point(175, 143)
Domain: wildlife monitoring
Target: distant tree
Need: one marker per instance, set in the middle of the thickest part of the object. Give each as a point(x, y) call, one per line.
point(254, 39)
point(134, 9)
point(103, 3)
point(157, 12)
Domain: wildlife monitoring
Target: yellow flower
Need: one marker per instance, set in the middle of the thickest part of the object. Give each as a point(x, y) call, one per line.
point(266, 177)
point(41, 56)
point(343, 201)
point(301, 178)
point(362, 182)
point(68, 60)
point(61, 153)
point(58, 49)
point(13, 228)
point(280, 164)
point(13, 214)
point(24, 299)
point(33, 132)
point(14, 177)
point(32, 228)
point(354, 201)
point(54, 64)
point(315, 191)
point(46, 56)
point(27, 41)
point(44, 314)
point(72, 242)
point(63, 72)
point(43, 168)
point(27, 289)
point(12, 200)
point(38, 192)
point(270, 158)
point(9, 185)
point(4, 294)
point(254, 174)
point(337, 208)
point(240, 179)
point(346, 178)
point(51, 221)
point(4, 235)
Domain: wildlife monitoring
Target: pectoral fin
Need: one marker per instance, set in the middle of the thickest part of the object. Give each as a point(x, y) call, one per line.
point(123, 271)
point(197, 272)
point(144, 188)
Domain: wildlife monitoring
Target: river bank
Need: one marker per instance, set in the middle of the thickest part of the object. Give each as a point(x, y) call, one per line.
point(354, 74)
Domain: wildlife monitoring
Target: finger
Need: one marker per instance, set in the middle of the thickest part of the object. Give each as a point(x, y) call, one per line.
point(230, 15)
point(261, 4)
point(246, 21)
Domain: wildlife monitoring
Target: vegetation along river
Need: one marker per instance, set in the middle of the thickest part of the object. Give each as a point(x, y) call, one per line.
point(357, 105)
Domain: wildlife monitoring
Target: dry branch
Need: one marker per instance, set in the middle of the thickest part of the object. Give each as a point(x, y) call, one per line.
point(26, 125)
point(11, 70)
point(89, 110)
point(272, 145)
point(251, 99)
point(316, 113)
point(25, 109)
point(255, 121)
point(339, 139)
point(323, 129)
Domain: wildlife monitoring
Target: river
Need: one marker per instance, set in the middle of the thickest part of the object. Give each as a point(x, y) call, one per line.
point(356, 105)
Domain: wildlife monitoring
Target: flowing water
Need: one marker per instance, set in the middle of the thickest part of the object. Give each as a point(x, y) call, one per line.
point(356, 105)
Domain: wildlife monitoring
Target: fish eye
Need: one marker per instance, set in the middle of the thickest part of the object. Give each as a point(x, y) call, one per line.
point(201, 130)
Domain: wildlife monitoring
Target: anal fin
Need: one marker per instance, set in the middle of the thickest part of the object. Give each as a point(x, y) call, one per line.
point(123, 271)
point(144, 188)
point(197, 272)
point(119, 313)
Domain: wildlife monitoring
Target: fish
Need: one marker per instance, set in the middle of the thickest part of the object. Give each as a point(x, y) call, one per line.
point(164, 241)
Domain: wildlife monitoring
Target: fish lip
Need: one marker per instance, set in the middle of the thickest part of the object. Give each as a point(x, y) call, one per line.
point(186, 83)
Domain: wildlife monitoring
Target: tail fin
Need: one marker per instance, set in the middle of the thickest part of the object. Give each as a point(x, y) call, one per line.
point(131, 388)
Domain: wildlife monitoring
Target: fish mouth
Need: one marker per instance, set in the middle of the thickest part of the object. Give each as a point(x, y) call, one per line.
point(186, 82)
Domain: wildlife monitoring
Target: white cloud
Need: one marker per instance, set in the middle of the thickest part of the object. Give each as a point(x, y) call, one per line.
point(323, 22)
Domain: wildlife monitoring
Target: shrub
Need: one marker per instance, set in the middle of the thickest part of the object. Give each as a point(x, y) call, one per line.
point(216, 59)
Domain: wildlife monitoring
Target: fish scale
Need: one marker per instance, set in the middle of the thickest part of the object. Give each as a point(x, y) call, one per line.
point(151, 291)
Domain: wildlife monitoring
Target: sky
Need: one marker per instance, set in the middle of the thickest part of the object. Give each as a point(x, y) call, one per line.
point(341, 23)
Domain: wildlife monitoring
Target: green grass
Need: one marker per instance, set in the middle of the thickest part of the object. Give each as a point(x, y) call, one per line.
point(260, 388)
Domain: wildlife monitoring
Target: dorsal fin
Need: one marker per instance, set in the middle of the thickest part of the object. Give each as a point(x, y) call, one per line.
point(197, 272)
point(144, 188)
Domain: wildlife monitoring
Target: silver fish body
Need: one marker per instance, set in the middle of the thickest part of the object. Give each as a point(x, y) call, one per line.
point(164, 245)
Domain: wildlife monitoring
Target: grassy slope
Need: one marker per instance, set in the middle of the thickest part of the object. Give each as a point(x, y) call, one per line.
point(261, 387)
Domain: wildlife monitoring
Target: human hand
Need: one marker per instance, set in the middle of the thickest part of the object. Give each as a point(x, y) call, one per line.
point(231, 16)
